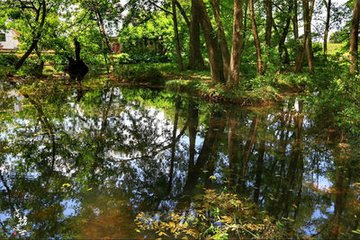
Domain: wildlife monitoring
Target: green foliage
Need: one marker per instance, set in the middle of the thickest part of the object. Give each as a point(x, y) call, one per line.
point(150, 40)
point(31, 68)
point(138, 73)
point(123, 58)
point(146, 57)
point(211, 216)
point(6, 63)
point(7, 59)
point(345, 94)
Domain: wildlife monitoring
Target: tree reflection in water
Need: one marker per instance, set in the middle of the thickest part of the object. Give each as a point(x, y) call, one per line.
point(84, 165)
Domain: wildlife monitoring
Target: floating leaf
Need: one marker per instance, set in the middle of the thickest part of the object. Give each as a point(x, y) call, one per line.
point(212, 177)
point(66, 185)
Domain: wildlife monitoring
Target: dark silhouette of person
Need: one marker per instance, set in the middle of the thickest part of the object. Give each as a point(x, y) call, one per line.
point(76, 68)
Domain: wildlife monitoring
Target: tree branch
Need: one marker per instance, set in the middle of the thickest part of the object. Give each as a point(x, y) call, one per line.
point(183, 13)
point(159, 7)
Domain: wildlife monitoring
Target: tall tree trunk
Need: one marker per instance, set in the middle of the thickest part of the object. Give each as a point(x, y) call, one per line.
point(196, 61)
point(222, 38)
point(177, 39)
point(354, 38)
point(295, 21)
point(259, 63)
point(298, 47)
point(269, 21)
point(237, 40)
point(215, 59)
point(327, 26)
point(308, 7)
point(283, 52)
point(244, 32)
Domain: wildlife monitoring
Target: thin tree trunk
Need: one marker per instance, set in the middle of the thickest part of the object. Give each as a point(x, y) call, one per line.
point(236, 45)
point(196, 61)
point(215, 59)
point(259, 171)
point(354, 38)
point(259, 63)
point(177, 39)
point(36, 37)
point(102, 30)
point(101, 26)
point(269, 21)
point(222, 38)
point(193, 116)
point(295, 21)
point(244, 32)
point(173, 144)
point(234, 143)
point(283, 53)
point(327, 26)
point(247, 152)
point(298, 47)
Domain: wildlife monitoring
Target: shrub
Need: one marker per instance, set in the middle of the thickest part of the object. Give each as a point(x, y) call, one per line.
point(139, 73)
point(123, 58)
point(31, 68)
point(145, 57)
point(7, 60)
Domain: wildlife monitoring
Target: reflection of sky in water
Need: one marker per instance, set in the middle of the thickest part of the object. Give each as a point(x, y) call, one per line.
point(323, 183)
point(4, 216)
point(70, 207)
point(312, 228)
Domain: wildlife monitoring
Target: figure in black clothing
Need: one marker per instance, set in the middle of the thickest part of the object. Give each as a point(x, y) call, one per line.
point(77, 69)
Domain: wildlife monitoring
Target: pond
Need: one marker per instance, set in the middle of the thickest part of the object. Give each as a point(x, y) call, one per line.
point(84, 162)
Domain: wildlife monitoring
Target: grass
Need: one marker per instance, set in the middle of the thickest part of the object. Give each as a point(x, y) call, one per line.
point(335, 48)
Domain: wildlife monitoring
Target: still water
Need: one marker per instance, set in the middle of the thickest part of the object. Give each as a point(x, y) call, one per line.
point(83, 163)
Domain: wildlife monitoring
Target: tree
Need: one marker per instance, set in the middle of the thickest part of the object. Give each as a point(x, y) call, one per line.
point(327, 25)
point(176, 35)
point(237, 43)
point(259, 63)
point(33, 14)
point(212, 44)
point(221, 37)
point(354, 38)
point(196, 61)
point(104, 12)
point(269, 21)
point(308, 8)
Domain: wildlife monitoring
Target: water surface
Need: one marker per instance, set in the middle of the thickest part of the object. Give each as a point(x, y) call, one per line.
point(82, 163)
